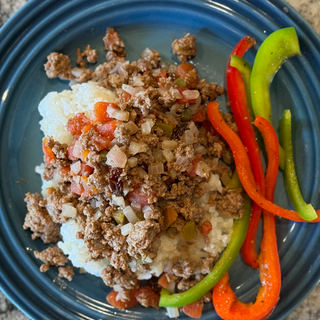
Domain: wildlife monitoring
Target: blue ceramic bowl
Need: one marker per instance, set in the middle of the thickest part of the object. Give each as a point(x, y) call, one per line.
point(41, 27)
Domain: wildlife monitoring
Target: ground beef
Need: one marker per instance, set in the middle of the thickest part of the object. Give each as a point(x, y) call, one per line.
point(83, 75)
point(52, 256)
point(127, 279)
point(141, 239)
point(147, 100)
point(185, 48)
point(66, 272)
point(80, 61)
point(228, 118)
point(183, 268)
point(113, 42)
point(230, 203)
point(60, 151)
point(208, 262)
point(209, 91)
point(58, 66)
point(90, 54)
point(39, 221)
point(191, 211)
point(186, 284)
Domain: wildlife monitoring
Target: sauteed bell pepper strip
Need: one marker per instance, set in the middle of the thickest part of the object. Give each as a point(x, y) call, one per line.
point(239, 105)
point(274, 51)
point(225, 301)
point(243, 167)
point(239, 231)
point(305, 211)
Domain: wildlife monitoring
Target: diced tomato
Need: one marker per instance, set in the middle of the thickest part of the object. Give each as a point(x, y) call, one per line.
point(108, 129)
point(149, 297)
point(189, 73)
point(195, 161)
point(209, 128)
point(206, 228)
point(184, 100)
point(64, 171)
point(199, 116)
point(100, 111)
point(136, 196)
point(86, 128)
point(75, 189)
point(126, 96)
point(49, 156)
point(132, 302)
point(85, 170)
point(163, 281)
point(100, 142)
point(77, 123)
point(193, 310)
point(162, 74)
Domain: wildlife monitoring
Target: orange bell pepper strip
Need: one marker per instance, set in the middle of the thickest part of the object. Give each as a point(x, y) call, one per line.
point(225, 301)
point(243, 167)
point(239, 105)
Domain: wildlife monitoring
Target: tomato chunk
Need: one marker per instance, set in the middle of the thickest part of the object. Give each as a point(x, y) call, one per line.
point(132, 302)
point(85, 170)
point(209, 128)
point(193, 310)
point(189, 73)
point(126, 96)
point(73, 151)
point(206, 228)
point(64, 171)
point(77, 123)
point(184, 100)
point(100, 142)
point(199, 116)
point(147, 297)
point(100, 111)
point(75, 189)
point(163, 281)
point(107, 129)
point(49, 156)
point(136, 196)
point(195, 161)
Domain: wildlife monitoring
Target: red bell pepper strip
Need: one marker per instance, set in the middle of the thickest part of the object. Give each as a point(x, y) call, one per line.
point(243, 167)
point(225, 301)
point(241, 113)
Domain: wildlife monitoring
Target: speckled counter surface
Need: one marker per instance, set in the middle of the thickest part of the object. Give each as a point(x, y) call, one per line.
point(310, 308)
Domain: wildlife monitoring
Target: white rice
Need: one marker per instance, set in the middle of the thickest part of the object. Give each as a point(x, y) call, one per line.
point(56, 108)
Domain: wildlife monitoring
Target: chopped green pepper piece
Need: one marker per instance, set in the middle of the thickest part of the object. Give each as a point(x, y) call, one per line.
point(234, 182)
point(103, 157)
point(167, 128)
point(181, 83)
point(274, 51)
point(189, 230)
point(120, 217)
point(186, 115)
point(305, 211)
point(140, 215)
point(240, 228)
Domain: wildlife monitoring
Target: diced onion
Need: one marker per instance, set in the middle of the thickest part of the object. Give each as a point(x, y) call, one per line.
point(172, 312)
point(125, 230)
point(122, 71)
point(130, 214)
point(126, 190)
point(77, 72)
point(147, 54)
point(115, 142)
point(156, 168)
point(115, 69)
point(173, 174)
point(171, 286)
point(137, 147)
point(175, 93)
point(119, 201)
point(168, 155)
point(191, 94)
point(181, 160)
point(132, 127)
point(200, 149)
point(202, 169)
point(169, 144)
point(97, 215)
point(77, 149)
point(146, 208)
point(215, 182)
point(194, 128)
point(164, 65)
point(68, 210)
point(173, 68)
point(116, 158)
point(117, 288)
point(132, 90)
point(158, 156)
point(188, 137)
point(136, 206)
point(137, 82)
point(156, 72)
point(147, 126)
point(194, 106)
point(141, 172)
point(132, 162)
point(76, 167)
point(148, 260)
point(118, 114)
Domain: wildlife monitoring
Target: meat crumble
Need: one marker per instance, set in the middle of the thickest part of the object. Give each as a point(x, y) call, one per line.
point(138, 170)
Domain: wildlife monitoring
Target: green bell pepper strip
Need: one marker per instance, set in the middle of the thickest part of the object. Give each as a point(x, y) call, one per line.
point(234, 182)
point(245, 70)
point(274, 51)
point(305, 211)
point(240, 228)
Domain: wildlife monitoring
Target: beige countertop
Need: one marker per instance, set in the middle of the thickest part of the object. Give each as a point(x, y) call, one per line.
point(310, 307)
